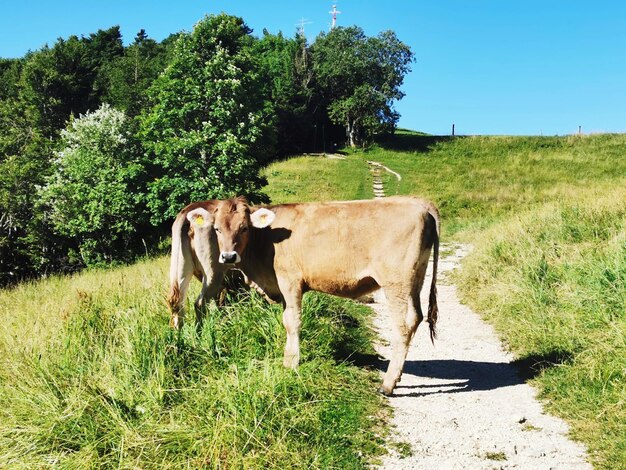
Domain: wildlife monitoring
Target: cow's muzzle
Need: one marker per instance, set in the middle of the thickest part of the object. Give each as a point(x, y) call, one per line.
point(229, 257)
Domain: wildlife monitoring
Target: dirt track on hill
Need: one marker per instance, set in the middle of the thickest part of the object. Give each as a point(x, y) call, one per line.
point(461, 403)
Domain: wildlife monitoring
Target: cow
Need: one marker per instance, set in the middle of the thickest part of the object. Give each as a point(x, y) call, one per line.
point(344, 248)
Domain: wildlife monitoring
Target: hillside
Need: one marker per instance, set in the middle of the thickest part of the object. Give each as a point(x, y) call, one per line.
point(92, 375)
point(475, 180)
point(547, 218)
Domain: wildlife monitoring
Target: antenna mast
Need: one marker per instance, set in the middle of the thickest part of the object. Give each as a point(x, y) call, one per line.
point(334, 12)
point(300, 24)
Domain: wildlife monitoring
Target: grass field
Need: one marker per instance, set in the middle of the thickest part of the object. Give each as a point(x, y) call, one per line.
point(547, 218)
point(553, 282)
point(91, 376)
point(477, 181)
point(311, 178)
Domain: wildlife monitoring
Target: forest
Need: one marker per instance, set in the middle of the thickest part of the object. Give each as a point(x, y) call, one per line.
point(102, 143)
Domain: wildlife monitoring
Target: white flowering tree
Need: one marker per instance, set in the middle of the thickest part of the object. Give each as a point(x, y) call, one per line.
point(209, 127)
point(94, 195)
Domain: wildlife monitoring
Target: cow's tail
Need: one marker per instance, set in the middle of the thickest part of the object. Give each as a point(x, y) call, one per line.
point(433, 310)
point(174, 298)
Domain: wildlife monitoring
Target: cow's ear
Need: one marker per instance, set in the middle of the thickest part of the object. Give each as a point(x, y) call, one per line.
point(199, 218)
point(262, 218)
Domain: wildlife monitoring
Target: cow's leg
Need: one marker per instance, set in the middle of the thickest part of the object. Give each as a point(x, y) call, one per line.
point(210, 288)
point(176, 300)
point(292, 322)
point(414, 317)
point(181, 277)
point(181, 272)
point(405, 316)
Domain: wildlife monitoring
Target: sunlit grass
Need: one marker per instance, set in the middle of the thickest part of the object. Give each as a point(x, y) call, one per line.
point(91, 376)
point(553, 281)
point(476, 181)
point(302, 179)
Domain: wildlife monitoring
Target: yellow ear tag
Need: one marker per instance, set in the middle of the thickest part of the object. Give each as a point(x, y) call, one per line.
point(199, 221)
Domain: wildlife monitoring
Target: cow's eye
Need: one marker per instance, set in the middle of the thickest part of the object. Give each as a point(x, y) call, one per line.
point(217, 229)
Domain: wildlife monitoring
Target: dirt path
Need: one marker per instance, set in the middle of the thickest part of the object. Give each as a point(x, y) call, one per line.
point(461, 403)
point(377, 180)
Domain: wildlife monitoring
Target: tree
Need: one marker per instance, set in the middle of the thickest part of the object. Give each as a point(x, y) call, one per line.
point(37, 95)
point(286, 68)
point(24, 164)
point(360, 78)
point(96, 192)
point(209, 127)
point(10, 70)
point(126, 79)
point(60, 81)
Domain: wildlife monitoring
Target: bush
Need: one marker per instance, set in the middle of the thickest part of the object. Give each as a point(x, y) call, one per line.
point(96, 192)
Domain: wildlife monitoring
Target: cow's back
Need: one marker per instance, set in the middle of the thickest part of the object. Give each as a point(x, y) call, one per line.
point(347, 248)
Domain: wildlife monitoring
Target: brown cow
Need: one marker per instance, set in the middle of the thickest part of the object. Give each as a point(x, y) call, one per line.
point(347, 249)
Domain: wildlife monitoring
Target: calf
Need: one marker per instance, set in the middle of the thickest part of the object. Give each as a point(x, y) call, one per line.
point(347, 249)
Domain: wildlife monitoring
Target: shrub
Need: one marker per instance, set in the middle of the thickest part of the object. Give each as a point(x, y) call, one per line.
point(96, 191)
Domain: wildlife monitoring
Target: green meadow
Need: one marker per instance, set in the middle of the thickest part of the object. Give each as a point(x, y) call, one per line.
point(92, 376)
point(547, 219)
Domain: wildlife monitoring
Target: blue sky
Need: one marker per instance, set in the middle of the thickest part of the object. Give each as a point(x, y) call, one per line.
point(488, 66)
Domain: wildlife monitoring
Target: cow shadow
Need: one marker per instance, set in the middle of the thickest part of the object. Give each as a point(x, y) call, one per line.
point(458, 375)
point(278, 235)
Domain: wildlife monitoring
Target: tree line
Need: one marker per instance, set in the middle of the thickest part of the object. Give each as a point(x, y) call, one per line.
point(101, 144)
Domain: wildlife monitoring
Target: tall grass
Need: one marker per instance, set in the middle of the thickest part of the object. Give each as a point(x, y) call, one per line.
point(546, 215)
point(553, 282)
point(97, 378)
point(303, 179)
point(477, 181)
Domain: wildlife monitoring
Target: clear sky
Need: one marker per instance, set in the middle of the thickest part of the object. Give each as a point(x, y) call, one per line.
point(488, 66)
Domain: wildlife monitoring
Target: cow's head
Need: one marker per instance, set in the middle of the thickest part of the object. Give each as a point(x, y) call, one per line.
point(232, 221)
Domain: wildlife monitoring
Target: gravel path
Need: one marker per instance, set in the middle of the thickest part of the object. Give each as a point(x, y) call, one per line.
point(461, 404)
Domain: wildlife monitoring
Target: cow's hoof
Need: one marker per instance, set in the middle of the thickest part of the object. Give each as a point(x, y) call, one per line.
point(291, 362)
point(385, 392)
point(176, 323)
